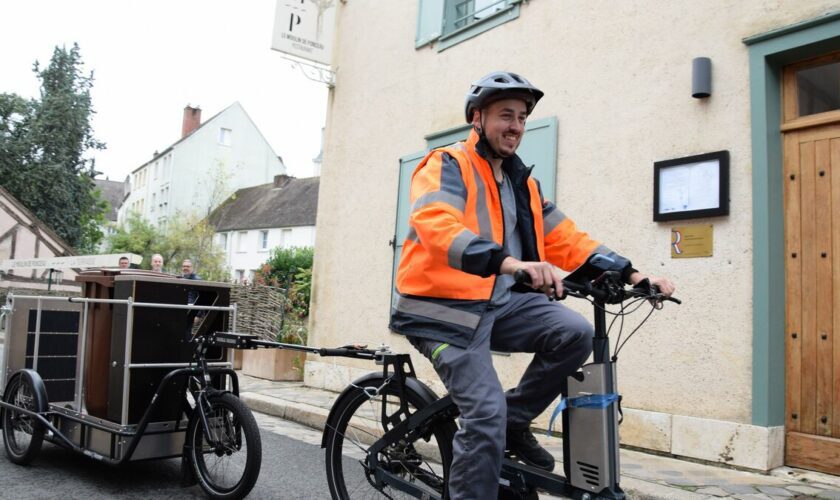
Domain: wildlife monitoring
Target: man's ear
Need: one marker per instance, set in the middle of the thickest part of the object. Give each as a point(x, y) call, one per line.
point(476, 120)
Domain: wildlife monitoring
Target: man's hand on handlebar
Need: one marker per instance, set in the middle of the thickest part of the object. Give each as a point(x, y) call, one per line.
point(664, 285)
point(544, 276)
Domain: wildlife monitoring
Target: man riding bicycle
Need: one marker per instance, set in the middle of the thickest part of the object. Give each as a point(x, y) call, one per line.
point(477, 217)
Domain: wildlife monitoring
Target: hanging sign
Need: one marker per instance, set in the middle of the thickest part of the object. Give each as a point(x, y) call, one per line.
point(691, 241)
point(74, 261)
point(305, 29)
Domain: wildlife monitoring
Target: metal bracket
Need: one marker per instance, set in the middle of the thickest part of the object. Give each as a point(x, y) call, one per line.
point(315, 72)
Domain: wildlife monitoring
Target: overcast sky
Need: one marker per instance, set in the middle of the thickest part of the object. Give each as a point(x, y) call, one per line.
point(152, 58)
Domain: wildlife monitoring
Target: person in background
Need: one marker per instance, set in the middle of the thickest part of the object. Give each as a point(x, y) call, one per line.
point(192, 294)
point(124, 263)
point(187, 273)
point(187, 270)
point(157, 263)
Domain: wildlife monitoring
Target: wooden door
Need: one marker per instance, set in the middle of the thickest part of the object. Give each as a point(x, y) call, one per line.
point(811, 135)
point(812, 208)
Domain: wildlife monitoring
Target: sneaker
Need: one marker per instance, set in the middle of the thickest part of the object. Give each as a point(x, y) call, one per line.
point(523, 446)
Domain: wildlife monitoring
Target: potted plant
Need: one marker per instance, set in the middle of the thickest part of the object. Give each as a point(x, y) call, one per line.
point(295, 285)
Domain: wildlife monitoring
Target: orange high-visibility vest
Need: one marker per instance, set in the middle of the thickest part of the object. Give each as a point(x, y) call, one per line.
point(449, 215)
point(454, 246)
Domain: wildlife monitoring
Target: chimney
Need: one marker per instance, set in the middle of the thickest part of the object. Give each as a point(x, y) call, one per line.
point(281, 180)
point(192, 120)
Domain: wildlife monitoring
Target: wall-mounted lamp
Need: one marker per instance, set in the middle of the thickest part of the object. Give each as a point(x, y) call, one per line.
point(701, 77)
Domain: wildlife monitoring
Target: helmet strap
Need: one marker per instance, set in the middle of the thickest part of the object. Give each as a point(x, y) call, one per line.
point(482, 138)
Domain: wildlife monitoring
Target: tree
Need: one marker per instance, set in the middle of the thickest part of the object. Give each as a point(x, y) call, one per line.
point(43, 148)
point(136, 235)
point(191, 237)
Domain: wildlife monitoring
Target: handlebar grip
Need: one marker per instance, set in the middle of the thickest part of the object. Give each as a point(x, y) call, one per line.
point(521, 277)
point(656, 290)
point(324, 351)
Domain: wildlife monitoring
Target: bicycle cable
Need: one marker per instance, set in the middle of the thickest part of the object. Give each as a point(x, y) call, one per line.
point(623, 312)
point(653, 307)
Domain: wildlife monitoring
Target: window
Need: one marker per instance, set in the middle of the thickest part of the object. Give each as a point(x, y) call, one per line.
point(224, 136)
point(154, 198)
point(285, 238)
point(156, 171)
point(263, 240)
point(240, 275)
point(241, 240)
point(449, 22)
point(223, 237)
point(812, 92)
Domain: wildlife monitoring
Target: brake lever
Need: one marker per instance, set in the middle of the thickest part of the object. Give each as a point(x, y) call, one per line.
point(565, 294)
point(658, 295)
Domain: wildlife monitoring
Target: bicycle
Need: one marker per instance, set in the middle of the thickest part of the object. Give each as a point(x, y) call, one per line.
point(389, 434)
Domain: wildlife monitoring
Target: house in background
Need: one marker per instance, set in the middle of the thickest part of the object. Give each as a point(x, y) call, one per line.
point(24, 236)
point(257, 219)
point(195, 174)
point(115, 193)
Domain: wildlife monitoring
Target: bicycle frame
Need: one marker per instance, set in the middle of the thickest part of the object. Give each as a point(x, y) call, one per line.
point(590, 437)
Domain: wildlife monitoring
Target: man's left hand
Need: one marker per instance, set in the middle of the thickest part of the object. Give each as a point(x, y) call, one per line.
point(664, 284)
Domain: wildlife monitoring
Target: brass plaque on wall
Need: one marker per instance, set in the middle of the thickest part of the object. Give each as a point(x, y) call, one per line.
point(691, 241)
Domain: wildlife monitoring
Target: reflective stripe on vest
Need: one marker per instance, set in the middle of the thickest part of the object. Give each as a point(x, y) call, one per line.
point(437, 312)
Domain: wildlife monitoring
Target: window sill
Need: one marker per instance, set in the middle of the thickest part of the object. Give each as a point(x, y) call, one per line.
point(508, 13)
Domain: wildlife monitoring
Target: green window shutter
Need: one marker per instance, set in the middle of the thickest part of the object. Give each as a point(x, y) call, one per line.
point(407, 166)
point(448, 136)
point(539, 148)
point(429, 19)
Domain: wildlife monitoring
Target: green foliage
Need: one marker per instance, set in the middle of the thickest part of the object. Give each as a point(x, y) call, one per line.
point(43, 148)
point(291, 269)
point(188, 237)
point(191, 237)
point(92, 223)
point(135, 235)
point(283, 263)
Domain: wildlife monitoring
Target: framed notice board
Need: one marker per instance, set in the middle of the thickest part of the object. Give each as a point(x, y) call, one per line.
point(691, 187)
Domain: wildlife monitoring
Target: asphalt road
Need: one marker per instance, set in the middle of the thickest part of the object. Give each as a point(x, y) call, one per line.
point(290, 469)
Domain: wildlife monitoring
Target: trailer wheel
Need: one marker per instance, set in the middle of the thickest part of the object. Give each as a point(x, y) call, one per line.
point(23, 435)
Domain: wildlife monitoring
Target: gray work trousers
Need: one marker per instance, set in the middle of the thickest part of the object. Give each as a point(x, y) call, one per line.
point(561, 340)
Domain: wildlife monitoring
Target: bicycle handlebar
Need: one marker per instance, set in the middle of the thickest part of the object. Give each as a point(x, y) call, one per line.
point(606, 288)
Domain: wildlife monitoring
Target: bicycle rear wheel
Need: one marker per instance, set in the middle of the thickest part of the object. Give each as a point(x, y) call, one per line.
point(359, 423)
point(226, 457)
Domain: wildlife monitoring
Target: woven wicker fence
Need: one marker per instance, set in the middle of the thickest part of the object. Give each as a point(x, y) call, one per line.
point(261, 311)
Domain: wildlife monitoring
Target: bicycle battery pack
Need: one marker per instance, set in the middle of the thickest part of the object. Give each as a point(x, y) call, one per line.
point(592, 433)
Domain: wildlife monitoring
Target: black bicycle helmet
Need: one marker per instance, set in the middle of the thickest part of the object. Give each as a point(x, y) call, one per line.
point(500, 85)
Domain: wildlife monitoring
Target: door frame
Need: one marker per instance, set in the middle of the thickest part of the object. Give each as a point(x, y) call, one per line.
point(768, 53)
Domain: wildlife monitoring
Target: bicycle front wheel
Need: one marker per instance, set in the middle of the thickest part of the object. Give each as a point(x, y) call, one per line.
point(360, 422)
point(226, 455)
point(22, 434)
